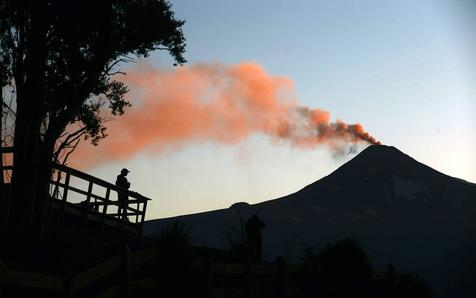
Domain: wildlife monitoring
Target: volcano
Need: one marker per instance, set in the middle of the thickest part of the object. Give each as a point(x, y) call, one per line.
point(404, 212)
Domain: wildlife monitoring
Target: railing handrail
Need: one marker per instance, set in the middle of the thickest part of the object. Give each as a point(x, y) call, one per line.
point(115, 263)
point(6, 149)
point(62, 181)
point(98, 181)
point(84, 176)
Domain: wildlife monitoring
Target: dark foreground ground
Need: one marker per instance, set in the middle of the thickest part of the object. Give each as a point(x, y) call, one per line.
point(169, 266)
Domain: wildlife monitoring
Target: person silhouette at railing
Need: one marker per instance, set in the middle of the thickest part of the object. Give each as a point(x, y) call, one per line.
point(122, 196)
point(253, 232)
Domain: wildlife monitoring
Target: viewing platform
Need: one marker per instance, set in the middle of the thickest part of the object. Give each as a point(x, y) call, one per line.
point(80, 200)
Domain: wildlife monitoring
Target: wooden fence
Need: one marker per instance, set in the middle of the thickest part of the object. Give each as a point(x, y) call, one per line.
point(70, 285)
point(83, 195)
point(258, 280)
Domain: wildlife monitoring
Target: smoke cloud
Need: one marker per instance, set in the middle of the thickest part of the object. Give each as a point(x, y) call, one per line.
point(218, 103)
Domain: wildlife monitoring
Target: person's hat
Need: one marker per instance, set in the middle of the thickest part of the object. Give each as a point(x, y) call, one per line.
point(124, 171)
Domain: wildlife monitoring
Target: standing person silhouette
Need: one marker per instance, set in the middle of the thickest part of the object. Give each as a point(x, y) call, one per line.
point(253, 232)
point(122, 197)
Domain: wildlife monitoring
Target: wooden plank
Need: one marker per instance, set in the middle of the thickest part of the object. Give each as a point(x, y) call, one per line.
point(227, 293)
point(66, 186)
point(143, 214)
point(69, 282)
point(379, 274)
point(98, 181)
point(103, 269)
point(131, 202)
point(56, 188)
point(112, 292)
point(147, 282)
point(83, 175)
point(85, 193)
point(80, 191)
point(144, 256)
point(125, 270)
point(69, 208)
point(249, 280)
point(104, 209)
point(119, 214)
point(72, 210)
point(292, 268)
point(29, 279)
point(142, 283)
point(136, 211)
point(227, 268)
point(6, 149)
point(265, 269)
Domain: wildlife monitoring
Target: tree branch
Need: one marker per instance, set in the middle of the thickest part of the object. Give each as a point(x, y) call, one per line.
point(73, 137)
point(73, 148)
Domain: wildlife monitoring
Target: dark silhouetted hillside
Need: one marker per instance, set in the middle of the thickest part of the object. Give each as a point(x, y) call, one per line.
point(405, 213)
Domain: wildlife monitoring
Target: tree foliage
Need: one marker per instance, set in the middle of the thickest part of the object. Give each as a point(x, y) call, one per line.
point(59, 57)
point(342, 269)
point(76, 46)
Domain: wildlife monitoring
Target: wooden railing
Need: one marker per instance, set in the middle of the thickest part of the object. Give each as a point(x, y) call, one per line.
point(124, 266)
point(7, 164)
point(251, 274)
point(95, 194)
point(71, 284)
point(79, 193)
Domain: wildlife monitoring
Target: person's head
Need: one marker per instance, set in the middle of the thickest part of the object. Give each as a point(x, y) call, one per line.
point(124, 172)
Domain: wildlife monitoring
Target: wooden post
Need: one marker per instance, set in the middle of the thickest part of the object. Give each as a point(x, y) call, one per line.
point(4, 206)
point(65, 195)
point(249, 279)
point(68, 284)
point(2, 178)
point(143, 211)
point(58, 180)
point(209, 276)
point(2, 289)
point(66, 186)
point(125, 272)
point(143, 215)
point(282, 281)
point(87, 206)
point(104, 209)
point(68, 276)
point(137, 210)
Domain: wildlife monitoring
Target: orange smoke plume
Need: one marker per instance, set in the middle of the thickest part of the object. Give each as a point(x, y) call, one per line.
point(225, 104)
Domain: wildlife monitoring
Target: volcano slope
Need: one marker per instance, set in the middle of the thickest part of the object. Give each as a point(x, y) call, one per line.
point(404, 212)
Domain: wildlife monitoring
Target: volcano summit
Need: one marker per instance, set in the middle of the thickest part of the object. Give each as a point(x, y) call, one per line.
point(404, 212)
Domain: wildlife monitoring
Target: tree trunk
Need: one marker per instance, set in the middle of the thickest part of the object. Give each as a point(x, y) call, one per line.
point(3, 198)
point(30, 187)
point(32, 155)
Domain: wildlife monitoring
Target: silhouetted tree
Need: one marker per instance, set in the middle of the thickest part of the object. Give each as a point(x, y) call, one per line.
point(396, 285)
point(412, 285)
point(174, 266)
point(59, 58)
point(341, 270)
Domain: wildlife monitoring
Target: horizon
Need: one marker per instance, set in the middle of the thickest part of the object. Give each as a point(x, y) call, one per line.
point(305, 186)
point(404, 70)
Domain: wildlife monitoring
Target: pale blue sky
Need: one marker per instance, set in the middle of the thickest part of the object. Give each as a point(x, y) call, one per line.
point(406, 70)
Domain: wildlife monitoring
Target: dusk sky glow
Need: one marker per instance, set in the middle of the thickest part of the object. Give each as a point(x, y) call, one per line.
point(404, 69)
